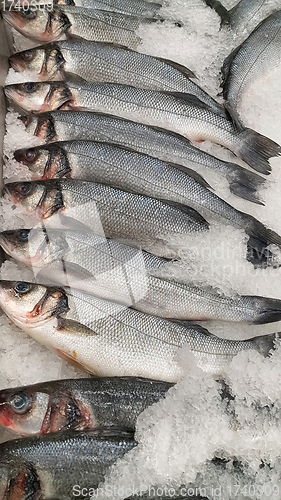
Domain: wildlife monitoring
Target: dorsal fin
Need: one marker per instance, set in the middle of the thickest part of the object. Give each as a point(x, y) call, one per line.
point(197, 177)
point(190, 98)
point(187, 210)
point(182, 69)
point(191, 324)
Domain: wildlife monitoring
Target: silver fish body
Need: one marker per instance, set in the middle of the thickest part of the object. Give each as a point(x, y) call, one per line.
point(78, 404)
point(124, 274)
point(258, 55)
point(108, 211)
point(160, 143)
point(186, 115)
point(113, 340)
point(103, 62)
point(138, 173)
point(52, 464)
point(68, 21)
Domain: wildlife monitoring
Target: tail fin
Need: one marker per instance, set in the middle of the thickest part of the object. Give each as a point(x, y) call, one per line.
point(267, 310)
point(245, 184)
point(265, 343)
point(260, 238)
point(220, 10)
point(257, 149)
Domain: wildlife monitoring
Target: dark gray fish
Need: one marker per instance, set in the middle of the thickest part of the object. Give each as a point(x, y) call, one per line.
point(181, 113)
point(44, 25)
point(258, 56)
point(103, 62)
point(168, 146)
point(79, 404)
point(108, 211)
point(51, 465)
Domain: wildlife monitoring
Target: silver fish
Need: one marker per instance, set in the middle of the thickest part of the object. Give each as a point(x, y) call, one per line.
point(77, 125)
point(258, 55)
point(110, 340)
point(78, 404)
point(246, 15)
point(53, 466)
point(44, 25)
point(103, 62)
point(132, 171)
point(126, 275)
point(108, 211)
point(186, 115)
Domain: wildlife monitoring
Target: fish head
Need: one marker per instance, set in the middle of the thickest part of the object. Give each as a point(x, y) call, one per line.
point(29, 303)
point(46, 61)
point(34, 247)
point(41, 126)
point(23, 409)
point(35, 97)
point(37, 23)
point(18, 480)
point(45, 162)
point(39, 198)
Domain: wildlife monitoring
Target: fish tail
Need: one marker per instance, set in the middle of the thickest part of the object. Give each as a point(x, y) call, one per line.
point(260, 238)
point(245, 184)
point(220, 10)
point(257, 149)
point(265, 343)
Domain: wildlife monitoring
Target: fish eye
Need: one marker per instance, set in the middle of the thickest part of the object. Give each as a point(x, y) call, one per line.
point(21, 287)
point(24, 189)
point(27, 55)
point(30, 87)
point(23, 234)
point(19, 403)
point(30, 155)
point(28, 13)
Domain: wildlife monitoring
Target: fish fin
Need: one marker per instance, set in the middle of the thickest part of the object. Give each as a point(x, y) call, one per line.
point(233, 116)
point(261, 233)
point(192, 324)
point(220, 10)
point(77, 271)
point(187, 210)
point(265, 343)
point(71, 77)
point(245, 184)
point(257, 149)
point(182, 69)
point(197, 177)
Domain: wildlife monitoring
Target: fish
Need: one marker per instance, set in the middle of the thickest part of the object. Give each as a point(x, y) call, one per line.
point(108, 211)
point(44, 25)
point(120, 273)
point(139, 173)
point(181, 113)
point(246, 15)
point(78, 404)
point(108, 339)
point(138, 8)
point(255, 58)
point(104, 62)
point(160, 143)
point(52, 466)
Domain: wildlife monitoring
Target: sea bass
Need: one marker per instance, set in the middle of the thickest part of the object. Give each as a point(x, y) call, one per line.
point(245, 16)
point(186, 115)
point(108, 211)
point(259, 55)
point(103, 62)
point(124, 274)
point(138, 8)
point(78, 125)
point(139, 173)
point(52, 466)
point(78, 404)
point(111, 340)
point(43, 25)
